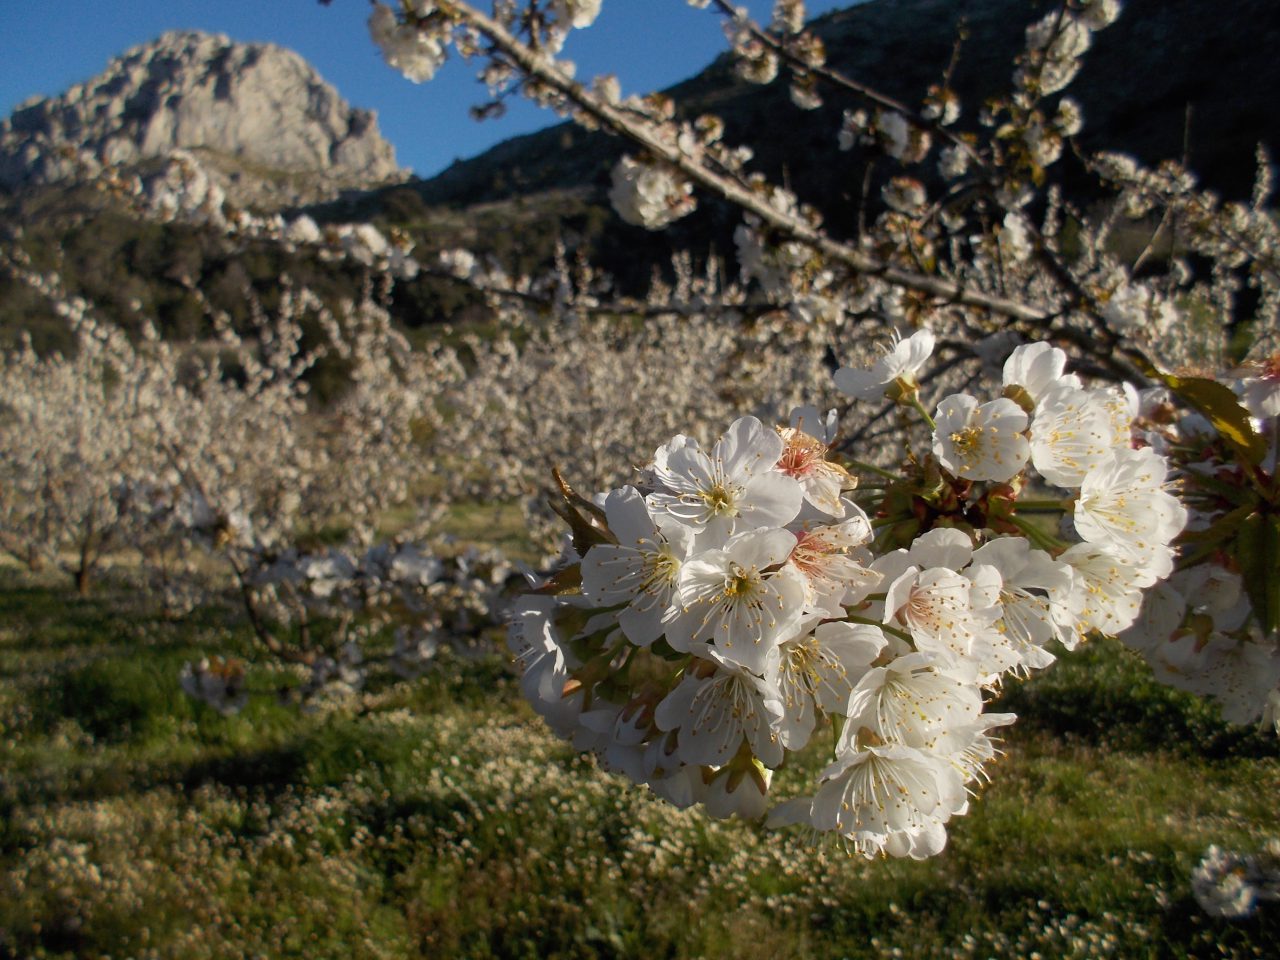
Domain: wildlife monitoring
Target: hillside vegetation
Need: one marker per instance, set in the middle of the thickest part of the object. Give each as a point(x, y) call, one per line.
point(1170, 79)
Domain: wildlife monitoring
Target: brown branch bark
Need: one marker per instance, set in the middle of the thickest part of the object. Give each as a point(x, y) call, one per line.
point(543, 70)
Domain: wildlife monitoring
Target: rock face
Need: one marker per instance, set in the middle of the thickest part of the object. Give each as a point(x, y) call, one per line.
point(257, 115)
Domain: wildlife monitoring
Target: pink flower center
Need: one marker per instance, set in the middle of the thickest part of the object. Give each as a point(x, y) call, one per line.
point(811, 553)
point(801, 455)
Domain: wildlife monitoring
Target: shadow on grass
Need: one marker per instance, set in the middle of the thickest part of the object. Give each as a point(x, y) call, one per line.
point(55, 620)
point(62, 619)
point(1187, 925)
point(267, 769)
point(114, 699)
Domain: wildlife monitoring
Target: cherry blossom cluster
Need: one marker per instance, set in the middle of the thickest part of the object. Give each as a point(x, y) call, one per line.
point(415, 38)
point(776, 246)
point(71, 440)
point(1058, 41)
point(991, 244)
point(1211, 629)
point(760, 52)
point(787, 271)
point(717, 612)
point(649, 195)
point(652, 193)
point(1240, 239)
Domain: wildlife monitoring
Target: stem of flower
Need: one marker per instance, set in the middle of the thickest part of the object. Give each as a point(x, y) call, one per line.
point(900, 634)
point(872, 468)
point(915, 402)
point(1037, 536)
point(1042, 506)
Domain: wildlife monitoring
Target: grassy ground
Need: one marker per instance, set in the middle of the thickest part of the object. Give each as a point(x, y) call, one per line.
point(444, 821)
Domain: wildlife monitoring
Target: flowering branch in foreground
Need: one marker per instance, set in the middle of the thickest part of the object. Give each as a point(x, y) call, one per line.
point(734, 600)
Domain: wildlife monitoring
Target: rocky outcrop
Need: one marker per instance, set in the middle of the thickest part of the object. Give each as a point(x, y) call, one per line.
point(257, 115)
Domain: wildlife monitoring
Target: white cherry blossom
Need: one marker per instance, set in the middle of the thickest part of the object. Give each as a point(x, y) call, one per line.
point(900, 365)
point(716, 708)
point(912, 700)
point(817, 672)
point(416, 53)
point(832, 560)
point(1071, 433)
point(641, 570)
point(1107, 592)
point(740, 598)
point(545, 663)
point(736, 486)
point(1123, 505)
point(650, 195)
point(1035, 597)
point(578, 13)
point(804, 459)
point(739, 791)
point(1038, 368)
point(873, 793)
point(1260, 395)
point(981, 442)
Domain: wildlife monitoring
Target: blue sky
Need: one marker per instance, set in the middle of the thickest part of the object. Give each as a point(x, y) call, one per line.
point(649, 44)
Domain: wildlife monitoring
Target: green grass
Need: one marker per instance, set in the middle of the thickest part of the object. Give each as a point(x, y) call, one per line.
point(440, 818)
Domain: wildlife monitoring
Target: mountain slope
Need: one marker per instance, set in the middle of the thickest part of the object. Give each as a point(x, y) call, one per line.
point(1161, 59)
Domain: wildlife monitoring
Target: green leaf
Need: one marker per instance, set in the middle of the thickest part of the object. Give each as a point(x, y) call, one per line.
point(1222, 408)
point(1258, 553)
point(1223, 528)
point(1197, 546)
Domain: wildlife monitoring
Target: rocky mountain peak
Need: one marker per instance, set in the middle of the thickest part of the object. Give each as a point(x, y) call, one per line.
point(257, 115)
